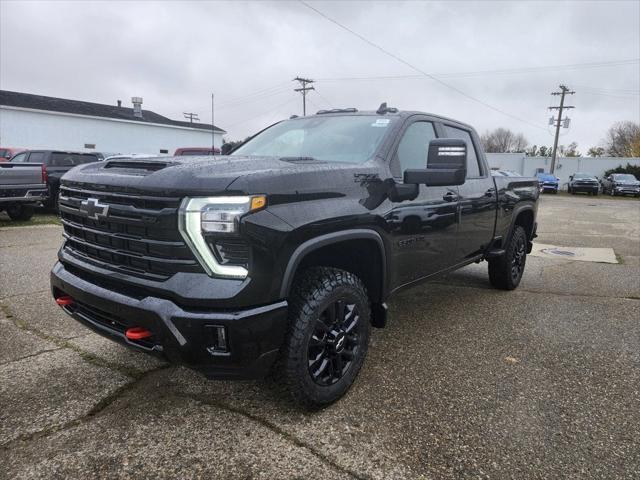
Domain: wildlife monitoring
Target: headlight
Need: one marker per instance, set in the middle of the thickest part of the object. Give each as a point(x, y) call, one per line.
point(199, 216)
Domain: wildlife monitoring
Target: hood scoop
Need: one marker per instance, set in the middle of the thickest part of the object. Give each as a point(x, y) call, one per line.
point(136, 165)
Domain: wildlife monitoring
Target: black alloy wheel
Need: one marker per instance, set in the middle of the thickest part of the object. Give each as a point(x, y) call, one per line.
point(518, 258)
point(328, 335)
point(334, 343)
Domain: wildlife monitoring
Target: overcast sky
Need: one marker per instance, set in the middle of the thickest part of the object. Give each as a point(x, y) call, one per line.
point(174, 54)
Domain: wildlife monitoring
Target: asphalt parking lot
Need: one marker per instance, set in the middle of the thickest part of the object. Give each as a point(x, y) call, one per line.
point(466, 382)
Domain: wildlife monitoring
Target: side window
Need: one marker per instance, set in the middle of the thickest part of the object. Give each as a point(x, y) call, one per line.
point(414, 146)
point(21, 157)
point(36, 157)
point(473, 169)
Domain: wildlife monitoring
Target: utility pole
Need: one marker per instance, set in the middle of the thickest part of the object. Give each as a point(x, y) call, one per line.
point(191, 116)
point(303, 89)
point(559, 121)
point(213, 130)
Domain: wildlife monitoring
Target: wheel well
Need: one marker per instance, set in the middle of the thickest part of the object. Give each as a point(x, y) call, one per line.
point(525, 220)
point(361, 257)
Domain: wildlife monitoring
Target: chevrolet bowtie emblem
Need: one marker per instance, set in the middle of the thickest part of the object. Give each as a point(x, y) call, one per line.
point(94, 209)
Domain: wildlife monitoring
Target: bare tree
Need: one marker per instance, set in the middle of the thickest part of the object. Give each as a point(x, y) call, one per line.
point(623, 140)
point(502, 140)
point(572, 150)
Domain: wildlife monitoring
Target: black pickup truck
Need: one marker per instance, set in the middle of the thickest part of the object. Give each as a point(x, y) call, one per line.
point(280, 257)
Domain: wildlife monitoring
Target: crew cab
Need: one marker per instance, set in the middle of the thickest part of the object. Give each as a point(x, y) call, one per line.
point(22, 187)
point(55, 164)
point(281, 257)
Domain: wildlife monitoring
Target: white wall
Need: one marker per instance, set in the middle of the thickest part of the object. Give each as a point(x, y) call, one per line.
point(36, 129)
point(565, 166)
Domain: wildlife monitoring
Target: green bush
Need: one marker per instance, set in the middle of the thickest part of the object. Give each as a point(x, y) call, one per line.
point(632, 169)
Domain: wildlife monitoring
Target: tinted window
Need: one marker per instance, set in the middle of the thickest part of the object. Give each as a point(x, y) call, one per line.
point(4, 153)
point(36, 157)
point(414, 146)
point(59, 159)
point(473, 169)
point(19, 157)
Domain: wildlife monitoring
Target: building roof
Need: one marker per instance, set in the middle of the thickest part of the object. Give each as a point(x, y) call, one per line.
point(63, 105)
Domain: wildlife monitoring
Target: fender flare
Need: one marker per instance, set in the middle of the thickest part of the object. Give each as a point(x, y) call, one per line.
point(327, 239)
point(514, 216)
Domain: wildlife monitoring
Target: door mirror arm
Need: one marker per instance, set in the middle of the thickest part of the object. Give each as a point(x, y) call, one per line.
point(399, 192)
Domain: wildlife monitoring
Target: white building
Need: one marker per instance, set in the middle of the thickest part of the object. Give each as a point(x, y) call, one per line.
point(34, 121)
point(565, 166)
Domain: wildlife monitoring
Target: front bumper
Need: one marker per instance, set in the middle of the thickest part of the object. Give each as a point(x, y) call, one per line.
point(549, 187)
point(585, 188)
point(181, 336)
point(626, 190)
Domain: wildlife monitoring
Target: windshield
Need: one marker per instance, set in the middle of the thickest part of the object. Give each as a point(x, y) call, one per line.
point(583, 175)
point(352, 138)
point(625, 177)
point(546, 176)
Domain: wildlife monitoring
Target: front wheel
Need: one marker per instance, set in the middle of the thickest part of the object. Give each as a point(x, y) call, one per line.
point(329, 327)
point(505, 272)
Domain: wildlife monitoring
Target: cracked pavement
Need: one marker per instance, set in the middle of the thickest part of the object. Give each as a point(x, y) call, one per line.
point(465, 382)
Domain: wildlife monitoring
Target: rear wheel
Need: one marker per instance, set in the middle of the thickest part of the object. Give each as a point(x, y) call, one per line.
point(20, 212)
point(505, 272)
point(329, 326)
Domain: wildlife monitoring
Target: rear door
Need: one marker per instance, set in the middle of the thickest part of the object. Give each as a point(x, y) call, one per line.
point(423, 230)
point(478, 200)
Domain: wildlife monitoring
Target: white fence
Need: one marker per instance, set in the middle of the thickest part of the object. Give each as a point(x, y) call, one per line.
point(565, 166)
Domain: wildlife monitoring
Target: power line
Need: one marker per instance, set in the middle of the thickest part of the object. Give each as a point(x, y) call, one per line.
point(428, 75)
point(518, 70)
point(303, 90)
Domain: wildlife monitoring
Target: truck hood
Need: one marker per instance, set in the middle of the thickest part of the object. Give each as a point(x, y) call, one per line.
point(182, 176)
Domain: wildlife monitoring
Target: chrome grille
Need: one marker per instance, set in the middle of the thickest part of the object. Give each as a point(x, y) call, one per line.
point(138, 236)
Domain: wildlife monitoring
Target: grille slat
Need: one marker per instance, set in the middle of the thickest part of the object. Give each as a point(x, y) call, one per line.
point(138, 236)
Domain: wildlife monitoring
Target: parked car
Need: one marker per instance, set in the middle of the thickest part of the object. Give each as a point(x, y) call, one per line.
point(548, 182)
point(505, 173)
point(7, 152)
point(55, 164)
point(583, 182)
point(22, 187)
point(621, 184)
point(193, 151)
point(284, 257)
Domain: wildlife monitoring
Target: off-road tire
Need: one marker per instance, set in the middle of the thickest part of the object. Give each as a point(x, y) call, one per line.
point(316, 289)
point(20, 212)
point(501, 274)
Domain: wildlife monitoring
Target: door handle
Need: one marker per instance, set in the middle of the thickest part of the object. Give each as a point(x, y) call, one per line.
point(450, 197)
point(489, 193)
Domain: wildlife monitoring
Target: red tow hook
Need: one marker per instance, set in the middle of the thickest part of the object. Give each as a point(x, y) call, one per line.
point(65, 300)
point(137, 333)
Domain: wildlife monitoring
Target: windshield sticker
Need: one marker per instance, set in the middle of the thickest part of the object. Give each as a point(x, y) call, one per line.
point(381, 122)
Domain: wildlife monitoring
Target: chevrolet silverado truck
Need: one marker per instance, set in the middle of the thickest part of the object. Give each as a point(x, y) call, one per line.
point(279, 258)
point(22, 187)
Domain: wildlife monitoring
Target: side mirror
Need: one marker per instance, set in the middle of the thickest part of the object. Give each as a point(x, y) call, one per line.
point(446, 164)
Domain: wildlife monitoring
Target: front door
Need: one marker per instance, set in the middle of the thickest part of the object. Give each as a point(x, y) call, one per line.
point(423, 230)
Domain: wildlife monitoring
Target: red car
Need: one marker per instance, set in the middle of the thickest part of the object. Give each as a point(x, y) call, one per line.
point(196, 151)
point(7, 152)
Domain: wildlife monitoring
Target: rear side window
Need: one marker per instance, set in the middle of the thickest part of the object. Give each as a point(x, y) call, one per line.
point(473, 168)
point(59, 159)
point(36, 157)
